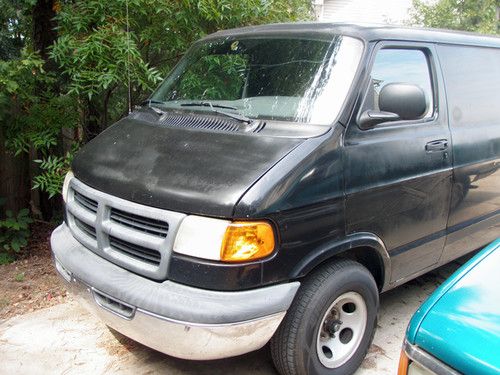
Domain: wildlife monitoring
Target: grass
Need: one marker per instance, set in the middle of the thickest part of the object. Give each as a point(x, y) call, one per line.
point(4, 302)
point(6, 258)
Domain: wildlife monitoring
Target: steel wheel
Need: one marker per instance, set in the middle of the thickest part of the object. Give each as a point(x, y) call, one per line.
point(341, 330)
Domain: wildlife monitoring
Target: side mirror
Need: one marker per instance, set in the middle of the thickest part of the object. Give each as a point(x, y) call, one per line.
point(370, 118)
point(397, 101)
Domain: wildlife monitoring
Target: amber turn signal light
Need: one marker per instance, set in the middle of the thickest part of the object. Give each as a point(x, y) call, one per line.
point(246, 241)
point(403, 363)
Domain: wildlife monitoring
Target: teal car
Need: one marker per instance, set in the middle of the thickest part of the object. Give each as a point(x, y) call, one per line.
point(457, 329)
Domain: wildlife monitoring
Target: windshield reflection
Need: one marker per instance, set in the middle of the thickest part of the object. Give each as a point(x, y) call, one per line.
point(289, 79)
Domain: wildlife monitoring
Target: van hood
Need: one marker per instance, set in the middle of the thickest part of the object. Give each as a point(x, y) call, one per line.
point(180, 169)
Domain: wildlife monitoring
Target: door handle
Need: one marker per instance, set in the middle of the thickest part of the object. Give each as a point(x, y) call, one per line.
point(437, 145)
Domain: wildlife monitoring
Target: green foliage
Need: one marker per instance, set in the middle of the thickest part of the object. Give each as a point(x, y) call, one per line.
point(18, 79)
point(54, 169)
point(18, 74)
point(14, 231)
point(13, 24)
point(33, 120)
point(5, 258)
point(102, 60)
point(96, 53)
point(166, 29)
point(214, 78)
point(96, 56)
point(468, 15)
point(28, 117)
point(19, 277)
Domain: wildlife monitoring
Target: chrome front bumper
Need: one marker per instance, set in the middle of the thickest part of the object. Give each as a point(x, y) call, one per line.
point(177, 320)
point(426, 360)
point(182, 339)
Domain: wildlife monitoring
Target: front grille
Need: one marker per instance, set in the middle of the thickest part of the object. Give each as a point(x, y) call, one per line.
point(87, 229)
point(144, 224)
point(135, 251)
point(131, 235)
point(85, 202)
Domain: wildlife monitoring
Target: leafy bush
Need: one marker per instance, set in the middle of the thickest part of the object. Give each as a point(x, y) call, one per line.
point(54, 169)
point(32, 121)
point(469, 15)
point(14, 232)
point(98, 56)
point(79, 78)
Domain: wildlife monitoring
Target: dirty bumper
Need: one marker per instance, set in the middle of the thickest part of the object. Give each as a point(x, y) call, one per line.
point(175, 319)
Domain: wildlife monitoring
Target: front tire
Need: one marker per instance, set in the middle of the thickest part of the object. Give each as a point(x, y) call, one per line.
point(330, 325)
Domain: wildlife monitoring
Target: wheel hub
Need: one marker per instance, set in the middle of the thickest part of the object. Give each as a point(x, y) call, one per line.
point(341, 329)
point(332, 326)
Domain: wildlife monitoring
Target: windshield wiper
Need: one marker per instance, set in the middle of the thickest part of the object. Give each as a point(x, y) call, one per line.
point(147, 104)
point(212, 107)
point(207, 104)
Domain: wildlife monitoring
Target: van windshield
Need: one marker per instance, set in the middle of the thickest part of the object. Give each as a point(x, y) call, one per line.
point(302, 80)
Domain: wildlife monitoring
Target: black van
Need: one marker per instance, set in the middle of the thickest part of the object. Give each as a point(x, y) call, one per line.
point(279, 179)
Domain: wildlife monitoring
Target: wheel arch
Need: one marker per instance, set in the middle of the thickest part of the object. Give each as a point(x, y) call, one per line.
point(366, 248)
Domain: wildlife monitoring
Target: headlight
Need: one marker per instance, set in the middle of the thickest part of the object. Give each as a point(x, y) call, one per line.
point(200, 237)
point(65, 187)
point(223, 240)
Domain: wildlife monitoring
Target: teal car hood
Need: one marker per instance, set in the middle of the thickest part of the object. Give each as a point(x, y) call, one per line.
point(460, 323)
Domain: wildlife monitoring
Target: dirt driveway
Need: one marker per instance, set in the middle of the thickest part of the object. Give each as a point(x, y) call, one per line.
point(65, 339)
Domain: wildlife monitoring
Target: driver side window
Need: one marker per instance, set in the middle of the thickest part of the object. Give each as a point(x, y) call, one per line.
point(409, 66)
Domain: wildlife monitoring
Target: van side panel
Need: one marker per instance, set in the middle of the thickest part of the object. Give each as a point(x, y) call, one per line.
point(472, 77)
point(398, 190)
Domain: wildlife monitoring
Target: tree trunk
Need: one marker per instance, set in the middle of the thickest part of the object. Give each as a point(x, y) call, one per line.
point(92, 119)
point(14, 179)
point(44, 35)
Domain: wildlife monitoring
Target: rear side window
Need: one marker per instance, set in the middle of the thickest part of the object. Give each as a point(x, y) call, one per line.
point(400, 66)
point(472, 77)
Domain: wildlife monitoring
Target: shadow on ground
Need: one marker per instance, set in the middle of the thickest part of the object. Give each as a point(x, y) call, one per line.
point(65, 339)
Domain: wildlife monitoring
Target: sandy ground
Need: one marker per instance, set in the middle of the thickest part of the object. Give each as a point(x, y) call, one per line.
point(65, 339)
point(31, 282)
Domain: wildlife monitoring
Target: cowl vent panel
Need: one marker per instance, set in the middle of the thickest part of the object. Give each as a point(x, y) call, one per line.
point(192, 121)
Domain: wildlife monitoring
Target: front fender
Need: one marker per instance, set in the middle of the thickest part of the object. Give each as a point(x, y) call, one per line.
point(328, 250)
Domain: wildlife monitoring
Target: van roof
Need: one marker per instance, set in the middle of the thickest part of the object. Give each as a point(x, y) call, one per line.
point(367, 32)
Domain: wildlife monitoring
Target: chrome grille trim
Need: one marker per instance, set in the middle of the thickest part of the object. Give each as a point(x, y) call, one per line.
point(137, 237)
point(148, 225)
point(85, 202)
point(87, 229)
point(135, 251)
